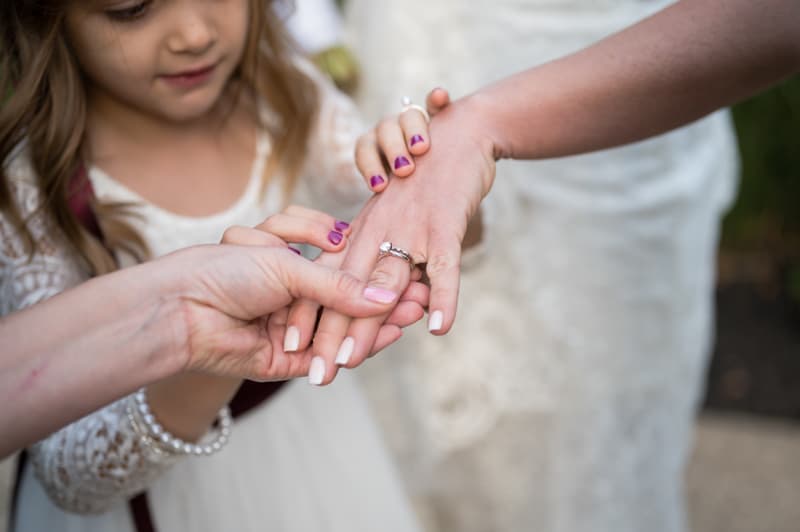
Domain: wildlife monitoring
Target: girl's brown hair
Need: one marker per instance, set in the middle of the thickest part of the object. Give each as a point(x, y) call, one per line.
point(43, 103)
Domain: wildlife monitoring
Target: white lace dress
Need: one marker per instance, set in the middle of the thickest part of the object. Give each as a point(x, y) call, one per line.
point(563, 399)
point(309, 459)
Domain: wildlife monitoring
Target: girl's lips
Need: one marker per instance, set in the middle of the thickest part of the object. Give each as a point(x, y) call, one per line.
point(190, 78)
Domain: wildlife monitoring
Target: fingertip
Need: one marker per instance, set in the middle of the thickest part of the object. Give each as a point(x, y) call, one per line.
point(377, 183)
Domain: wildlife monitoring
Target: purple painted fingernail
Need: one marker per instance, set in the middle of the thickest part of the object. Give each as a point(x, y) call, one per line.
point(340, 225)
point(400, 162)
point(335, 237)
point(417, 138)
point(376, 181)
point(295, 250)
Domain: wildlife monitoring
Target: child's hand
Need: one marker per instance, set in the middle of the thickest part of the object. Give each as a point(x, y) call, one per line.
point(391, 146)
point(294, 224)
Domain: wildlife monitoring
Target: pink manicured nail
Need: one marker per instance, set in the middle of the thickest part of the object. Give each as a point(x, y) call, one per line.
point(417, 138)
point(400, 162)
point(335, 237)
point(340, 225)
point(379, 295)
point(376, 181)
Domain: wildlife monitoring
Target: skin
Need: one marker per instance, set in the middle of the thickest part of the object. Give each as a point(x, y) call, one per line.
point(201, 310)
point(664, 72)
point(143, 120)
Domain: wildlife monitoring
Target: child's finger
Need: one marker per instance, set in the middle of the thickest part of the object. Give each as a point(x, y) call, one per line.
point(415, 130)
point(370, 163)
point(319, 216)
point(437, 99)
point(392, 144)
point(248, 236)
point(323, 234)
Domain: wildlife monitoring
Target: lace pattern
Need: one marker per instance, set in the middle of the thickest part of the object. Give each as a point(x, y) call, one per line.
point(330, 180)
point(100, 460)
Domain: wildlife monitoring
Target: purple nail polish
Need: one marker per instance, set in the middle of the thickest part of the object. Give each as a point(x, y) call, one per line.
point(400, 162)
point(295, 250)
point(335, 237)
point(417, 138)
point(376, 181)
point(340, 225)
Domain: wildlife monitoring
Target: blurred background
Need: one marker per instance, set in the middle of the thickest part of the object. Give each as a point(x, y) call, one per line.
point(745, 472)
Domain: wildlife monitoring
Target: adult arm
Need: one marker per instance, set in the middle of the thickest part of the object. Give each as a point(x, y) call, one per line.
point(664, 72)
point(197, 309)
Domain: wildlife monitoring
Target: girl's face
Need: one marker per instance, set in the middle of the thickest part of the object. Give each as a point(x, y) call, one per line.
point(168, 58)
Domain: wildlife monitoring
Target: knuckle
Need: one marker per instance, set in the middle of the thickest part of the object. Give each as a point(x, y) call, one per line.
point(382, 277)
point(440, 263)
point(346, 285)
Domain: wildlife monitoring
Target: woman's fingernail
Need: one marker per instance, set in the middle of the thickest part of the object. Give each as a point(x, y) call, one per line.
point(400, 162)
point(376, 181)
point(345, 351)
point(340, 225)
point(335, 237)
point(317, 371)
point(291, 341)
point(435, 320)
point(417, 138)
point(295, 250)
point(379, 295)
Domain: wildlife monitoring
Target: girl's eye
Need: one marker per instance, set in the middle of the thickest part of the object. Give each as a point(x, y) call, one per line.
point(128, 13)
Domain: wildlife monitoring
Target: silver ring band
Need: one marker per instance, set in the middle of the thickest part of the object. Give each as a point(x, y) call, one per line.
point(386, 249)
point(408, 104)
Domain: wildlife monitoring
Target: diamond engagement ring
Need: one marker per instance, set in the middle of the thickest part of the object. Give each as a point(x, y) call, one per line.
point(408, 104)
point(386, 249)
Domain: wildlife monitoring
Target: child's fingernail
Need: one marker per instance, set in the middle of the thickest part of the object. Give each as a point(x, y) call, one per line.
point(291, 340)
point(379, 295)
point(376, 181)
point(295, 250)
point(435, 320)
point(335, 237)
point(400, 162)
point(345, 351)
point(417, 138)
point(340, 225)
point(317, 371)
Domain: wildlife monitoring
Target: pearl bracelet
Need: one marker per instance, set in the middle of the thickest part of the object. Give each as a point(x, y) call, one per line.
point(157, 434)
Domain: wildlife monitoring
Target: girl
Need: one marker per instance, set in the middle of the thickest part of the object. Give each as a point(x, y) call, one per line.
point(171, 120)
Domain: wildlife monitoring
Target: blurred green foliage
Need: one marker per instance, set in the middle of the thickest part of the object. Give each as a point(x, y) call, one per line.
point(766, 215)
point(768, 126)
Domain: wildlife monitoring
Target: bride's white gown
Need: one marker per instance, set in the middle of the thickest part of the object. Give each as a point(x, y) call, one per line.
point(563, 399)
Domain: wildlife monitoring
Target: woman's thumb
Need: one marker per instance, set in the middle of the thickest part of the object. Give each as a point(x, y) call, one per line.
point(337, 290)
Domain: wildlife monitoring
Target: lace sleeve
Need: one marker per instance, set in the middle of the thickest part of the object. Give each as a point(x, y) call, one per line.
point(90, 464)
point(330, 181)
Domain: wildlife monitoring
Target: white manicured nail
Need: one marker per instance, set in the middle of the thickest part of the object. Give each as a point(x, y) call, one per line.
point(345, 351)
point(317, 371)
point(291, 341)
point(435, 320)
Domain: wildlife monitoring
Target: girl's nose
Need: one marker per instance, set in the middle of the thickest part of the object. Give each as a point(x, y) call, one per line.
point(193, 32)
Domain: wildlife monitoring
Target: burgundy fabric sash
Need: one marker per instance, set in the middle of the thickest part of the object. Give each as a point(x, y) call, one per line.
point(250, 394)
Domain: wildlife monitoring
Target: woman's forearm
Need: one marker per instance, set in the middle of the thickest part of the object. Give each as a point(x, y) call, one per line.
point(666, 71)
point(81, 349)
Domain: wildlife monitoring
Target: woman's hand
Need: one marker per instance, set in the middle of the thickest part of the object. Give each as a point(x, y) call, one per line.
point(427, 215)
point(235, 301)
